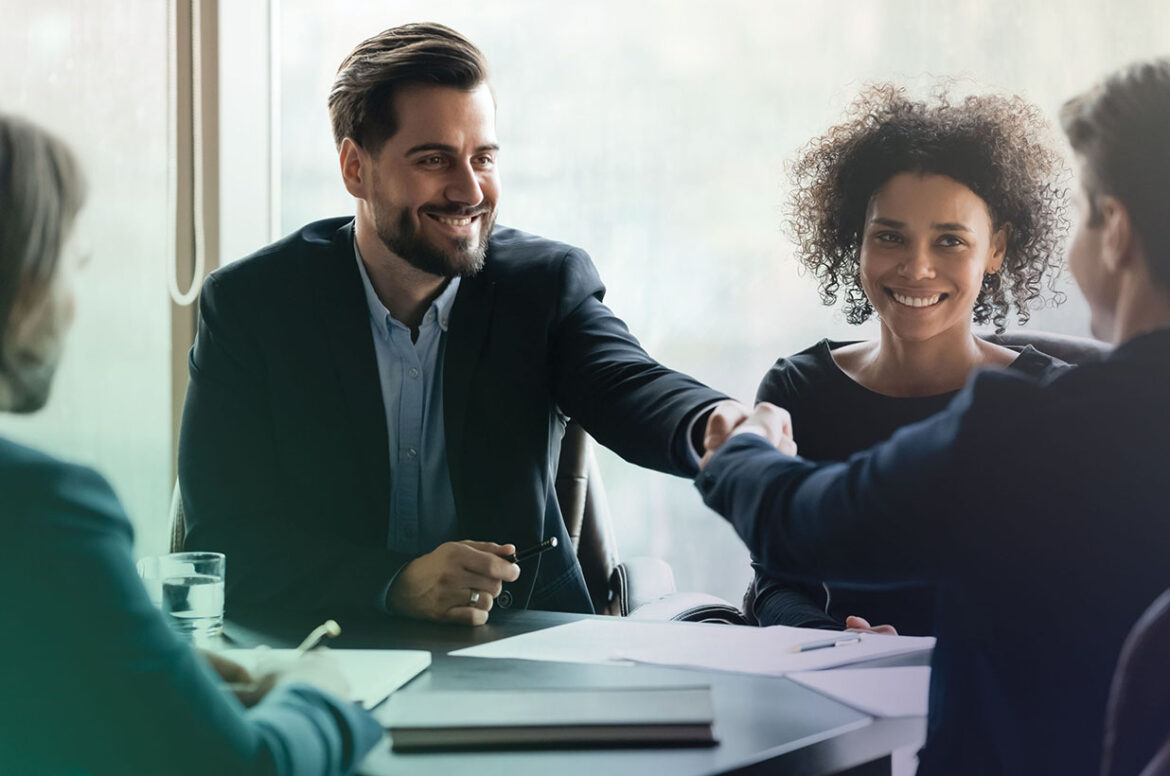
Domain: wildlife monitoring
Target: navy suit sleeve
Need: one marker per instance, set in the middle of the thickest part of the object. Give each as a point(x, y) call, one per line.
point(105, 687)
point(234, 497)
point(774, 600)
point(906, 510)
point(629, 402)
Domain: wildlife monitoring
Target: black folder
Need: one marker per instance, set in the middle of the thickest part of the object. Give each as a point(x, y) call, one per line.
point(550, 718)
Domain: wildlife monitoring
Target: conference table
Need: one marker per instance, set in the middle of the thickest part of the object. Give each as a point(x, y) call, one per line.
point(764, 725)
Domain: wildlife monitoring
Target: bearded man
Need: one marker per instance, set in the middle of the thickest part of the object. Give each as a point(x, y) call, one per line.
point(376, 403)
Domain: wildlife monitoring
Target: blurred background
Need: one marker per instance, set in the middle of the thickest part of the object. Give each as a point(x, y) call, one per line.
point(652, 134)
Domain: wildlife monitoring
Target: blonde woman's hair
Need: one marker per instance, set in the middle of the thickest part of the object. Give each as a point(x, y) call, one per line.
point(41, 192)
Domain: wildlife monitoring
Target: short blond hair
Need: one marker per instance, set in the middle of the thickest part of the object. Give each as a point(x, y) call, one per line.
point(41, 193)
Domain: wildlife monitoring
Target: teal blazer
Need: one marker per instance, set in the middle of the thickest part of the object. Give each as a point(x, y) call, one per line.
point(93, 681)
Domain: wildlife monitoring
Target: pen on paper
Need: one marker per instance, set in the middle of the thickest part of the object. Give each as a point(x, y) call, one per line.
point(532, 552)
point(836, 641)
point(329, 629)
point(246, 691)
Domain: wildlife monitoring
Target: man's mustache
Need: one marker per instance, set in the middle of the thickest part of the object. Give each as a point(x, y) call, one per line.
point(457, 212)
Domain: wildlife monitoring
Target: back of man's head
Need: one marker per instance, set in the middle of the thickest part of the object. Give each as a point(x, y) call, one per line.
point(361, 101)
point(1119, 128)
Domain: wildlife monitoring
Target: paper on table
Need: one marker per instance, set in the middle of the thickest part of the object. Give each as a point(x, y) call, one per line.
point(372, 674)
point(880, 692)
point(692, 645)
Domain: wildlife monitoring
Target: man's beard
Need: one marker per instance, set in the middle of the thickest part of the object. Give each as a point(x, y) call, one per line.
point(463, 258)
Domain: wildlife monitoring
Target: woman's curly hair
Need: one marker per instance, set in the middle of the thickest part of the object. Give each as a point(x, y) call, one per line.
point(999, 147)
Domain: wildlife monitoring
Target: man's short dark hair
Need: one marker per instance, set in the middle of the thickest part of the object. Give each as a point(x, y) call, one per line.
point(361, 101)
point(1121, 130)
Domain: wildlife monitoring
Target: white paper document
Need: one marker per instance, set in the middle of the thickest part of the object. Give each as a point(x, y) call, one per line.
point(372, 673)
point(879, 692)
point(694, 645)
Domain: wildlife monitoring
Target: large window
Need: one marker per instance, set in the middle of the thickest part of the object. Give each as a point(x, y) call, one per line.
point(97, 75)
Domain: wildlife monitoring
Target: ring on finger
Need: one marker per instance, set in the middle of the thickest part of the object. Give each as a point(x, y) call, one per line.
point(473, 598)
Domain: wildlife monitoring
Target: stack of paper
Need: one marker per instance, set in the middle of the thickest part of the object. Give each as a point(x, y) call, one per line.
point(695, 645)
point(880, 692)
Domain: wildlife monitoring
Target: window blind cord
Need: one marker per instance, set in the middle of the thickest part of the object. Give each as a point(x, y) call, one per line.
point(195, 215)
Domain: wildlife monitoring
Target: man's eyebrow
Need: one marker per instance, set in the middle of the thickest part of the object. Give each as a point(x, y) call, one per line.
point(888, 222)
point(447, 149)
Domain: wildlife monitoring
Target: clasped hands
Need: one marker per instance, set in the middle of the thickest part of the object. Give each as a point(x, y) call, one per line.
point(730, 418)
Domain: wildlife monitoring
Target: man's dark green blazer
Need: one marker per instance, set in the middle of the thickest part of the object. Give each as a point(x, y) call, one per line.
point(283, 457)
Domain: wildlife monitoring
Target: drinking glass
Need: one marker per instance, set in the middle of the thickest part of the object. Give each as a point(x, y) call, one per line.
point(188, 587)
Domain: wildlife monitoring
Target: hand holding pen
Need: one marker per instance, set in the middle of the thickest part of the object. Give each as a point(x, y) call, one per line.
point(307, 664)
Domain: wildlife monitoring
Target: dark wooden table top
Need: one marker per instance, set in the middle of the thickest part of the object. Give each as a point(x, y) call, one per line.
point(764, 724)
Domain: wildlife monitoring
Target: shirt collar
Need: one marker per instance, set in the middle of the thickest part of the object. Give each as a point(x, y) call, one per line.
point(378, 312)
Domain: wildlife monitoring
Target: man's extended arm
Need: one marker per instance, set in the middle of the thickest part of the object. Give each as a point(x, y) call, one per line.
point(628, 401)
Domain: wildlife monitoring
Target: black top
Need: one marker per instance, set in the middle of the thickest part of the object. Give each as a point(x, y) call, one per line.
point(1038, 507)
point(833, 417)
point(93, 681)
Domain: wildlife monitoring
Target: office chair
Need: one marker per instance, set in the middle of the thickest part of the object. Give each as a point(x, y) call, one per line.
point(1074, 350)
point(1137, 722)
point(640, 587)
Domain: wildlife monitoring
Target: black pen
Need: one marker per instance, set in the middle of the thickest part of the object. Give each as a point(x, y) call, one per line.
point(533, 551)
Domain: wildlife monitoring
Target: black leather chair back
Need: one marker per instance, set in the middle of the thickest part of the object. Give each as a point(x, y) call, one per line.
point(585, 509)
point(1137, 724)
point(1074, 350)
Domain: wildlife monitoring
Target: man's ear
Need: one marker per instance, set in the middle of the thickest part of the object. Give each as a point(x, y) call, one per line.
point(1117, 244)
point(355, 166)
point(998, 249)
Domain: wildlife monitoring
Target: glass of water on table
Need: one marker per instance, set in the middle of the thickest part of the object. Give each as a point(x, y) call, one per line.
point(188, 587)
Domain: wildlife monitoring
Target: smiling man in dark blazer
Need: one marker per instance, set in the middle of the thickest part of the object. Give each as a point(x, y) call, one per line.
point(376, 404)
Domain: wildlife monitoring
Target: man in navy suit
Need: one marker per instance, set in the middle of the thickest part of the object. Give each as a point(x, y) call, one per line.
point(376, 403)
point(1038, 508)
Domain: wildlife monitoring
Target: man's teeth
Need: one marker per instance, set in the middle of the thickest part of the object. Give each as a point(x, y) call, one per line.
point(916, 301)
point(453, 221)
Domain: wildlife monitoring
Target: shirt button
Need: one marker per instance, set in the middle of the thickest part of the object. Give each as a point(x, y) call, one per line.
point(411, 453)
point(413, 372)
point(505, 599)
point(443, 322)
point(430, 315)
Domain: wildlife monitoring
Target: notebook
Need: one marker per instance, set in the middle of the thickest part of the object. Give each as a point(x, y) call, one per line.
point(373, 674)
point(550, 717)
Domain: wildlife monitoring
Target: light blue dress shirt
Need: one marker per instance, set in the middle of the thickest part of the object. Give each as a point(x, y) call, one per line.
point(422, 506)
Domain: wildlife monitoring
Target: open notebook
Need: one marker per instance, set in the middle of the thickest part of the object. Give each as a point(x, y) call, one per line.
point(372, 673)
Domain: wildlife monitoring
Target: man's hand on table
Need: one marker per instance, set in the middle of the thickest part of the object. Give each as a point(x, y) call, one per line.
point(457, 582)
point(730, 418)
point(861, 625)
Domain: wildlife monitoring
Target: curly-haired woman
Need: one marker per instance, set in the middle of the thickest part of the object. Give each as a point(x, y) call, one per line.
point(931, 215)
